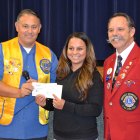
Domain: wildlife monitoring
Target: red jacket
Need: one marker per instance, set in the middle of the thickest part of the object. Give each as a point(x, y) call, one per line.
point(122, 104)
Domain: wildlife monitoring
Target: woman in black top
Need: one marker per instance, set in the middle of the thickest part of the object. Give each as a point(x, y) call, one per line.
point(82, 96)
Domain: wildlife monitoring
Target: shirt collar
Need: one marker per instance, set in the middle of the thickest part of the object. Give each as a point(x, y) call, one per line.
point(126, 52)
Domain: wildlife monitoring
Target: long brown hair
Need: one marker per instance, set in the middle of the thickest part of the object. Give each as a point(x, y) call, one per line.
point(85, 76)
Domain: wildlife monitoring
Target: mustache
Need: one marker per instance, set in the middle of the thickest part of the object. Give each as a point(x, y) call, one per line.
point(115, 37)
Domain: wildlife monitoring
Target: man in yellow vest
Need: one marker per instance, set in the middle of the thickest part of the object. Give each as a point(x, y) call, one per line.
point(20, 117)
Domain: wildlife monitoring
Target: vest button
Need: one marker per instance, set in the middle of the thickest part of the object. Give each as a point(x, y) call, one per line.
point(110, 103)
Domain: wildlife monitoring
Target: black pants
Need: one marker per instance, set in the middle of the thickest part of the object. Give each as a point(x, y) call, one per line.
point(44, 138)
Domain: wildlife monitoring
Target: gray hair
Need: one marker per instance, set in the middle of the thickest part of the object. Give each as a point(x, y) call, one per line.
point(27, 11)
point(130, 21)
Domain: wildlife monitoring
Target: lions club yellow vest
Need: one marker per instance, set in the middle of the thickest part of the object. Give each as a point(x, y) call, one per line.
point(13, 66)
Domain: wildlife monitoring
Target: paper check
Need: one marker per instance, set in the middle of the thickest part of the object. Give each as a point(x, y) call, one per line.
point(47, 89)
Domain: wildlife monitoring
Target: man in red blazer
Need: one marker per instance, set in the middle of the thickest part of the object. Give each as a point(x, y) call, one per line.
point(122, 101)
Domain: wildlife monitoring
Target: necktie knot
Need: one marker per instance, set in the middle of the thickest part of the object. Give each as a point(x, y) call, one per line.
point(119, 64)
point(119, 59)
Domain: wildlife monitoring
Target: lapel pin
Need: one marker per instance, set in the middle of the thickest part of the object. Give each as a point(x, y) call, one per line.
point(109, 71)
point(130, 63)
point(129, 82)
point(122, 75)
point(108, 85)
point(108, 77)
point(118, 84)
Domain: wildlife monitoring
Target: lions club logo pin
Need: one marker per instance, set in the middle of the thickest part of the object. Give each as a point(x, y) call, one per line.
point(129, 101)
point(45, 65)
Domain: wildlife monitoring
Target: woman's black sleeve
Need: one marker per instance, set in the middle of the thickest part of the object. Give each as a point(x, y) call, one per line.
point(49, 105)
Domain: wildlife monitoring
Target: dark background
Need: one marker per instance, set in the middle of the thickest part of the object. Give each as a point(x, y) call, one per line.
point(62, 17)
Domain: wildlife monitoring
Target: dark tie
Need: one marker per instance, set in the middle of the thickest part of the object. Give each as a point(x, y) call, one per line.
point(118, 68)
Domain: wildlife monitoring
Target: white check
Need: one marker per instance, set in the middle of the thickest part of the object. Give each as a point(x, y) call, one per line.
point(47, 89)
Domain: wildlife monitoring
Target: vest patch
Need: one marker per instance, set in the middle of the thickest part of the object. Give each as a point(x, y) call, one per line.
point(12, 65)
point(129, 101)
point(45, 65)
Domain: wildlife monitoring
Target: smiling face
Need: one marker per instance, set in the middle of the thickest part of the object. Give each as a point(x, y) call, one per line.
point(119, 33)
point(28, 28)
point(76, 52)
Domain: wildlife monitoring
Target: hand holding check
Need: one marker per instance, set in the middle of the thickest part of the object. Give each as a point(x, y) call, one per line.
point(57, 102)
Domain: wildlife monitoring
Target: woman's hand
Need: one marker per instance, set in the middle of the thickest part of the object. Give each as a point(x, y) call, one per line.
point(58, 103)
